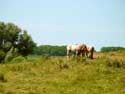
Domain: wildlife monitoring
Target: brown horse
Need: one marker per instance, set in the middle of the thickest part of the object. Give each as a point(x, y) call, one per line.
point(78, 49)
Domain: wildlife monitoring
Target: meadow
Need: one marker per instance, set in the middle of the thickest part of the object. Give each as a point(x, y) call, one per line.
point(105, 74)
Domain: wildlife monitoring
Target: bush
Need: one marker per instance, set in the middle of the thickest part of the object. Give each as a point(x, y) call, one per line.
point(9, 55)
point(18, 59)
point(46, 56)
point(2, 55)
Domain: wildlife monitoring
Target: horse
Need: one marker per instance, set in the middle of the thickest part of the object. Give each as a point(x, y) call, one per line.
point(78, 49)
point(89, 51)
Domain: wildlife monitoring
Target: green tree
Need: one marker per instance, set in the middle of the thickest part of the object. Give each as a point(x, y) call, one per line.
point(11, 38)
point(25, 44)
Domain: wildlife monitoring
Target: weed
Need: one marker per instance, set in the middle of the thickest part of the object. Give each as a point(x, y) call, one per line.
point(2, 77)
point(117, 63)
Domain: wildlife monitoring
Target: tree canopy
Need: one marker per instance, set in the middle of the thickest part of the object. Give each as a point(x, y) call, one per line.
point(14, 41)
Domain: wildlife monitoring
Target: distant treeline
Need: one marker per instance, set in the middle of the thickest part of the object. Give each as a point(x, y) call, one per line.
point(109, 49)
point(50, 50)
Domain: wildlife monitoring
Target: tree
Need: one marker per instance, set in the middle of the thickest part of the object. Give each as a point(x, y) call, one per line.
point(12, 37)
point(50, 50)
point(25, 44)
point(109, 49)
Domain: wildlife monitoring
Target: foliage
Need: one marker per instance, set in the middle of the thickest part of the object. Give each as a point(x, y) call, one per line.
point(25, 44)
point(18, 59)
point(13, 41)
point(50, 50)
point(10, 54)
point(109, 49)
point(2, 55)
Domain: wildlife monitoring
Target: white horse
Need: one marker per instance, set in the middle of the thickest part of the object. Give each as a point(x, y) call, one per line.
point(89, 51)
point(78, 49)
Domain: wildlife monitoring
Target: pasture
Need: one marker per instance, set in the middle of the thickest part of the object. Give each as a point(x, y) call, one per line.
point(105, 74)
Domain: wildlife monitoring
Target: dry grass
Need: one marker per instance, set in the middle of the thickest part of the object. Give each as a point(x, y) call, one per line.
point(55, 75)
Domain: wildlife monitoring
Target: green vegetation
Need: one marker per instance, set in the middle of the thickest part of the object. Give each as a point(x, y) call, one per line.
point(14, 42)
point(50, 50)
point(110, 49)
point(55, 75)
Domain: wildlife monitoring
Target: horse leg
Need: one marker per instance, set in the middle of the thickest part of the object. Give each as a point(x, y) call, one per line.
point(83, 53)
point(77, 53)
point(87, 54)
point(68, 54)
point(91, 54)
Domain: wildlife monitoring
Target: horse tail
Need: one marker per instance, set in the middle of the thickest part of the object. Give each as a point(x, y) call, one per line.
point(92, 50)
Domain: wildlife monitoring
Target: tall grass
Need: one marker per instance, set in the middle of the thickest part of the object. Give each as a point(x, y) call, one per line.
point(57, 75)
point(115, 63)
point(2, 77)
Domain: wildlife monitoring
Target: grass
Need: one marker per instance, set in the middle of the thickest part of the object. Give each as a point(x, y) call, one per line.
point(55, 75)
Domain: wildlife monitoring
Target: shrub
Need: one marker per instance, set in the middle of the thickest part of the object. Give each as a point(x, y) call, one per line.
point(9, 55)
point(18, 59)
point(2, 55)
point(46, 56)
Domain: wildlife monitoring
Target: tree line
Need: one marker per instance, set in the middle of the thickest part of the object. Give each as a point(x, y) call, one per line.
point(50, 50)
point(109, 49)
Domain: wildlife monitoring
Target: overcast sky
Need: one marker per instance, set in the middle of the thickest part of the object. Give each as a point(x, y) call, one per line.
point(61, 22)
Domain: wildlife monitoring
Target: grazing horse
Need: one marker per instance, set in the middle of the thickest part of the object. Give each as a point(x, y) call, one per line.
point(79, 49)
point(89, 51)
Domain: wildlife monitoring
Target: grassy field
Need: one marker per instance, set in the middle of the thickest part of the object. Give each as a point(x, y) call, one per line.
point(105, 74)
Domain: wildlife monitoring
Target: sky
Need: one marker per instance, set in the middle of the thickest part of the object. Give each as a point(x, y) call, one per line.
point(62, 22)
